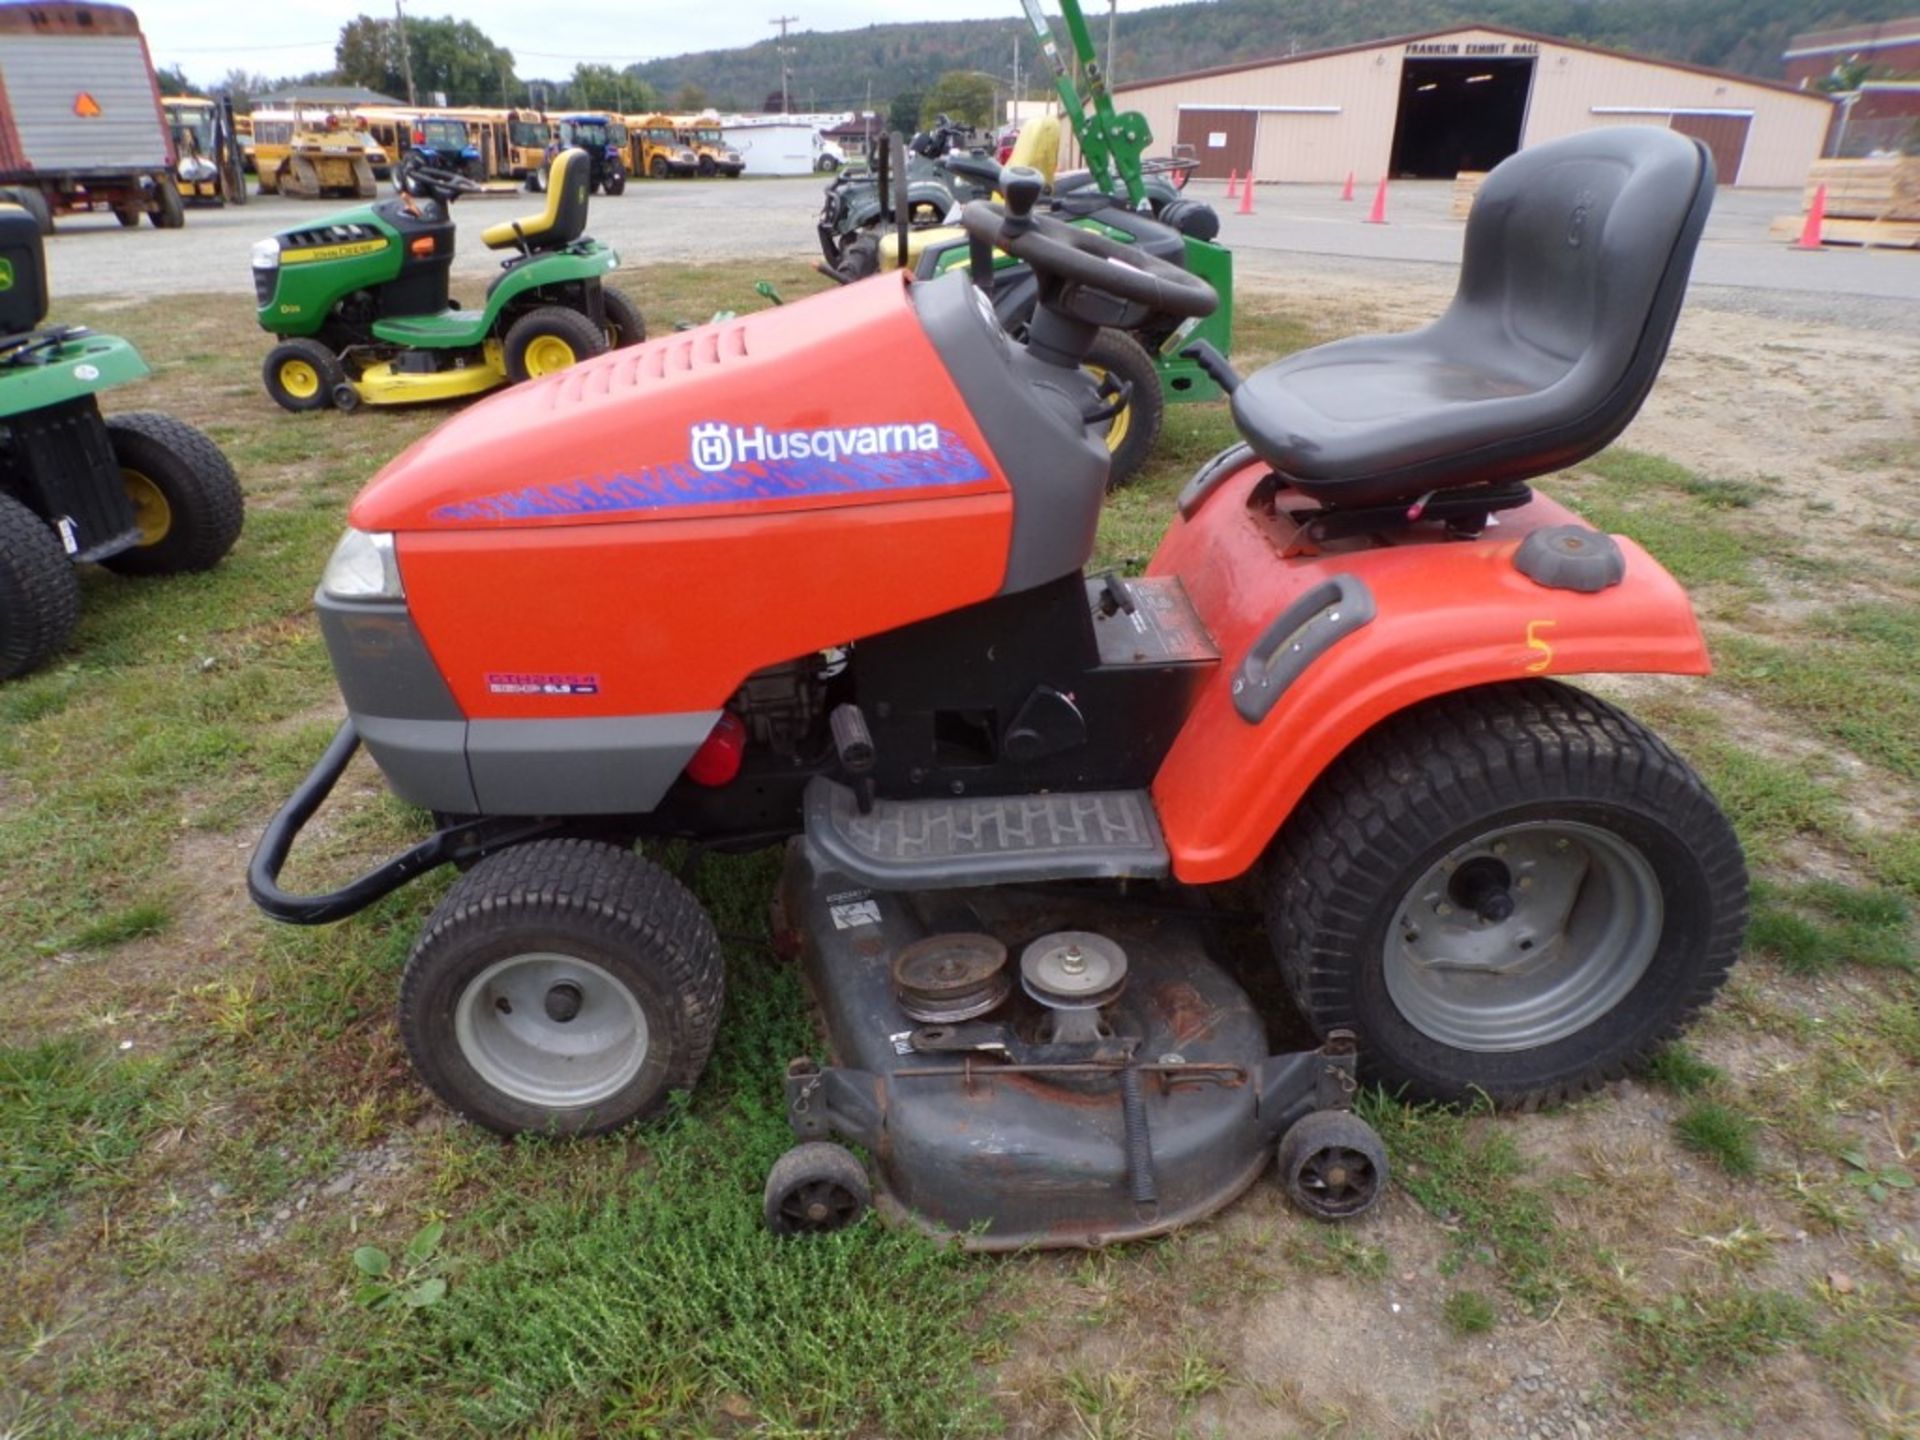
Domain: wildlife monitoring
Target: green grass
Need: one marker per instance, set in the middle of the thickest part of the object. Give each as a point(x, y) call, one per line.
point(1818, 925)
point(1466, 1171)
point(136, 922)
point(1468, 1312)
point(1722, 1134)
point(72, 1119)
point(625, 1286)
point(1675, 1067)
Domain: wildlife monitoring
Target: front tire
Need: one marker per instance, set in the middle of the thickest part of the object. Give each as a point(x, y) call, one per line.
point(548, 340)
point(616, 184)
point(562, 987)
point(658, 168)
point(302, 374)
point(1515, 891)
point(39, 591)
point(625, 324)
point(1132, 433)
point(187, 500)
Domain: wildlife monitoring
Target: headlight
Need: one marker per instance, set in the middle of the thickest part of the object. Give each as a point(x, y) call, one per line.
point(266, 254)
point(363, 567)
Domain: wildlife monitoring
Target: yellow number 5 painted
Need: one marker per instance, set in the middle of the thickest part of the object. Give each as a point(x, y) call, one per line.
point(1535, 641)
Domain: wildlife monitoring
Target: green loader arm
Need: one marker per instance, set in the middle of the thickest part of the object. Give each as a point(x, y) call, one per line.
point(1113, 142)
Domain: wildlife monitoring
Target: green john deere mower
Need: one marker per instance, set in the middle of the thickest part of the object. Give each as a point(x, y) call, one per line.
point(359, 301)
point(139, 493)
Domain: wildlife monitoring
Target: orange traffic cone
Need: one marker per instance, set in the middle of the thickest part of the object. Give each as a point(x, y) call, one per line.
point(1233, 184)
point(1378, 215)
point(1347, 192)
point(1816, 217)
point(1246, 196)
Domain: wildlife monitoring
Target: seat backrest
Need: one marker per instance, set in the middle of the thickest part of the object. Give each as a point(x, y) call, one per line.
point(1038, 147)
point(23, 272)
point(569, 179)
point(1577, 257)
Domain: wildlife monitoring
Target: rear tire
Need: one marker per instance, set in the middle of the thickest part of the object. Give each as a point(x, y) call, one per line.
point(1514, 892)
point(548, 340)
point(302, 374)
point(190, 504)
point(127, 215)
point(39, 591)
point(625, 324)
point(541, 936)
point(1132, 433)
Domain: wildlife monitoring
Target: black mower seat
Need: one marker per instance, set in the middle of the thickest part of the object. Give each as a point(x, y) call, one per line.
point(1576, 261)
point(564, 220)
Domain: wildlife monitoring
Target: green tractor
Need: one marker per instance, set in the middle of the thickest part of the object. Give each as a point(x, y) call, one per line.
point(139, 493)
point(360, 301)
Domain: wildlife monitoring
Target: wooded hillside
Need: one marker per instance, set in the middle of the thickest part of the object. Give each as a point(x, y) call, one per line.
point(833, 70)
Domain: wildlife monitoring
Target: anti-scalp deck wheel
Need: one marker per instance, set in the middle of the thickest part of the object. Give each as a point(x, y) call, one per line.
point(1333, 1164)
point(562, 987)
point(814, 1189)
point(1513, 892)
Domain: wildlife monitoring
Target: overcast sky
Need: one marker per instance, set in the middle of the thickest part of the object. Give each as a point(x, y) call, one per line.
point(548, 38)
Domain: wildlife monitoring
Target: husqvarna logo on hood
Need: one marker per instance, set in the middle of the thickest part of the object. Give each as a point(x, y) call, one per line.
point(713, 448)
point(717, 447)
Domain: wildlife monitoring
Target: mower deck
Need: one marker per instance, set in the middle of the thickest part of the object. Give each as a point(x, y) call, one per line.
point(994, 1130)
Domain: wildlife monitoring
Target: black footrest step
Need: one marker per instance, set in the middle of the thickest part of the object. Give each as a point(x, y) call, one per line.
point(944, 844)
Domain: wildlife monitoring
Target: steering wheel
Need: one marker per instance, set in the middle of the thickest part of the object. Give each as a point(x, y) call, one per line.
point(1071, 256)
point(430, 182)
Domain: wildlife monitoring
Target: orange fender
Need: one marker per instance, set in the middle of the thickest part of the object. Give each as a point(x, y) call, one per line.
point(1450, 614)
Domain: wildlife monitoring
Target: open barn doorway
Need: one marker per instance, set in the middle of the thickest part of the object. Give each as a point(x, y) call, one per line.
point(1459, 114)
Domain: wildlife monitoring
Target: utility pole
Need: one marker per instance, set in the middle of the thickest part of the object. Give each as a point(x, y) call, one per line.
point(406, 50)
point(786, 97)
point(1113, 11)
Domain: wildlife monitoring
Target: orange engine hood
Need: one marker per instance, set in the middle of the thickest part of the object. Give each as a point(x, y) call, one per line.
point(836, 400)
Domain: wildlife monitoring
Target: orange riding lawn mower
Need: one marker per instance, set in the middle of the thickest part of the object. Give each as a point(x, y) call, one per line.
point(816, 577)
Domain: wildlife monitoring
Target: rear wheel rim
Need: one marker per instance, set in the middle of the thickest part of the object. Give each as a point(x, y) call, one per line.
point(1578, 927)
point(548, 353)
point(299, 379)
point(551, 1030)
point(151, 512)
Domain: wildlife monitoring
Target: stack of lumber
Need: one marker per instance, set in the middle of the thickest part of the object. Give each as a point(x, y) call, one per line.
point(1869, 202)
point(1466, 185)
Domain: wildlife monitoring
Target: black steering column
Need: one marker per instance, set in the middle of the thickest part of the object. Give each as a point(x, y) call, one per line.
point(1087, 281)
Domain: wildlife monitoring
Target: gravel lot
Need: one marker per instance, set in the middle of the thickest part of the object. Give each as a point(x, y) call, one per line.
point(1297, 230)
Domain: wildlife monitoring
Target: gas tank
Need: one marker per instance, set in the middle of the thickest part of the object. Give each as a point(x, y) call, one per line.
point(669, 518)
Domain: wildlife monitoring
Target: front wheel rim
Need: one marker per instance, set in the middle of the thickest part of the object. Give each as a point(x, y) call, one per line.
point(1523, 935)
point(151, 512)
point(548, 353)
point(551, 1030)
point(299, 379)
